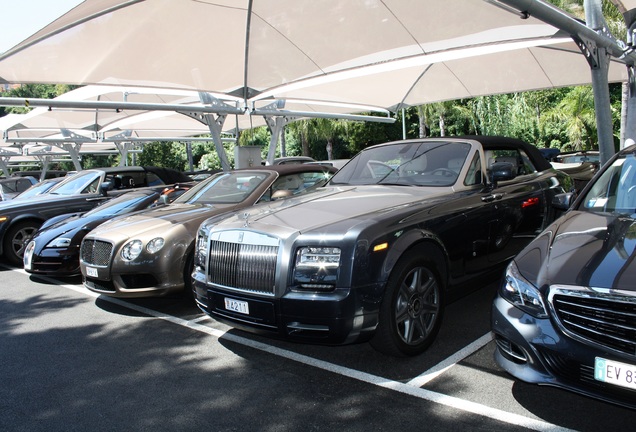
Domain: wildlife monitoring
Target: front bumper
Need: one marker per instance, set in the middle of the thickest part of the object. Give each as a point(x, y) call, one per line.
point(134, 282)
point(536, 351)
point(334, 318)
point(55, 262)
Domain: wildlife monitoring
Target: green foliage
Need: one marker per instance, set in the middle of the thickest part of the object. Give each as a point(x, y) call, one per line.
point(166, 155)
point(38, 91)
point(209, 159)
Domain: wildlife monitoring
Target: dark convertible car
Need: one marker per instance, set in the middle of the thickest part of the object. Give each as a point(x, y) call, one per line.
point(377, 252)
point(20, 219)
point(565, 314)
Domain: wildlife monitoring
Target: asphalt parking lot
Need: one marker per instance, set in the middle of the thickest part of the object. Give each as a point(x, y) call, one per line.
point(72, 360)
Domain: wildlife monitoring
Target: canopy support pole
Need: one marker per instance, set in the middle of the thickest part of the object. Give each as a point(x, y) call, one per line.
point(629, 132)
point(124, 149)
point(275, 125)
point(73, 151)
point(599, 59)
point(74, 148)
point(597, 44)
point(5, 166)
point(629, 127)
point(45, 161)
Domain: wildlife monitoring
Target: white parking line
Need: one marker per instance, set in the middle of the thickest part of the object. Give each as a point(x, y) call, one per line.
point(411, 388)
point(451, 361)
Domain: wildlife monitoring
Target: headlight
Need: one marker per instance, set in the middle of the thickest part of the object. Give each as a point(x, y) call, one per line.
point(521, 293)
point(27, 259)
point(317, 268)
point(60, 242)
point(201, 251)
point(131, 250)
point(155, 245)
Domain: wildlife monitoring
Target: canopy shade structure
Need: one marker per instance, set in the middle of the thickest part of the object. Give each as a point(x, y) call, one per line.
point(389, 53)
point(102, 117)
point(78, 112)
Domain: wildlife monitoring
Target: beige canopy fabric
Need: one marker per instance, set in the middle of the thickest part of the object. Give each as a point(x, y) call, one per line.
point(384, 53)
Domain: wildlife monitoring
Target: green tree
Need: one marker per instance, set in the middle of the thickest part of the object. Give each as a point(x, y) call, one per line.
point(575, 112)
point(38, 91)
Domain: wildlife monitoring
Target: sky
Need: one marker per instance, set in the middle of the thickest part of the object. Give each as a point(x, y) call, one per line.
point(21, 18)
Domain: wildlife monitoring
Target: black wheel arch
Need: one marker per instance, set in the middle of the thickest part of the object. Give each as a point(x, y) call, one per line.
point(13, 221)
point(418, 241)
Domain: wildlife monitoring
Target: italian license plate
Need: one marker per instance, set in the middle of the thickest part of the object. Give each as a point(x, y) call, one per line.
point(91, 271)
point(237, 306)
point(613, 372)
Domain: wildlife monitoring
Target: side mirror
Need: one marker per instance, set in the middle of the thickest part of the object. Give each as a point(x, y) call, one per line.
point(104, 188)
point(563, 201)
point(501, 171)
point(163, 199)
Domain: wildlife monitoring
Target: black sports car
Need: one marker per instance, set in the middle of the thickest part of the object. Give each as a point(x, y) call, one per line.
point(377, 252)
point(565, 314)
point(54, 249)
point(20, 219)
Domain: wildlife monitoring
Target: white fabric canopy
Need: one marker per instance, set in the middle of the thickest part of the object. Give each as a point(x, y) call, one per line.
point(386, 53)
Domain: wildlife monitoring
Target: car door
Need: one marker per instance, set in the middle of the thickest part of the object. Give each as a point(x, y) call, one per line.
point(518, 208)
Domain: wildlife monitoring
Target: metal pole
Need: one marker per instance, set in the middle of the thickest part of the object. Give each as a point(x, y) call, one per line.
point(600, 85)
point(403, 125)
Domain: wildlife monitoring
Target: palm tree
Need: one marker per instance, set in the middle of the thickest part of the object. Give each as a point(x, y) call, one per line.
point(576, 113)
point(328, 130)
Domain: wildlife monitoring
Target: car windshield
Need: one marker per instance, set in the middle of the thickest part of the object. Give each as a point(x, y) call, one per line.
point(615, 190)
point(431, 163)
point(38, 188)
point(82, 182)
point(224, 188)
point(123, 204)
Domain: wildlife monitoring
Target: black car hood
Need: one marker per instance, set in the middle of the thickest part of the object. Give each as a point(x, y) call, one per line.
point(583, 249)
point(69, 227)
point(336, 207)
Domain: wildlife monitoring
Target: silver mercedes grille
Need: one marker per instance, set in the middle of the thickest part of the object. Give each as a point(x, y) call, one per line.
point(609, 322)
point(243, 266)
point(95, 252)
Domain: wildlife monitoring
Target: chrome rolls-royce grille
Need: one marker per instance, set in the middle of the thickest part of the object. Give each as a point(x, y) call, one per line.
point(243, 266)
point(608, 322)
point(95, 252)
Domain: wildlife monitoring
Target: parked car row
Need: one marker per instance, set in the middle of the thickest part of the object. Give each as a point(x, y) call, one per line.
point(21, 218)
point(152, 252)
point(375, 251)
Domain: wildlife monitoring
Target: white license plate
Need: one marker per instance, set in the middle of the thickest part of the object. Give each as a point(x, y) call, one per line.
point(237, 306)
point(613, 372)
point(91, 271)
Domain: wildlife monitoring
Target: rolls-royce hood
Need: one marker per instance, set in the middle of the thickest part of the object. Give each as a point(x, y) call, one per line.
point(332, 206)
point(583, 249)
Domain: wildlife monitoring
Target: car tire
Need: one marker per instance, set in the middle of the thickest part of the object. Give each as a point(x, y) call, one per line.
point(412, 309)
point(16, 240)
